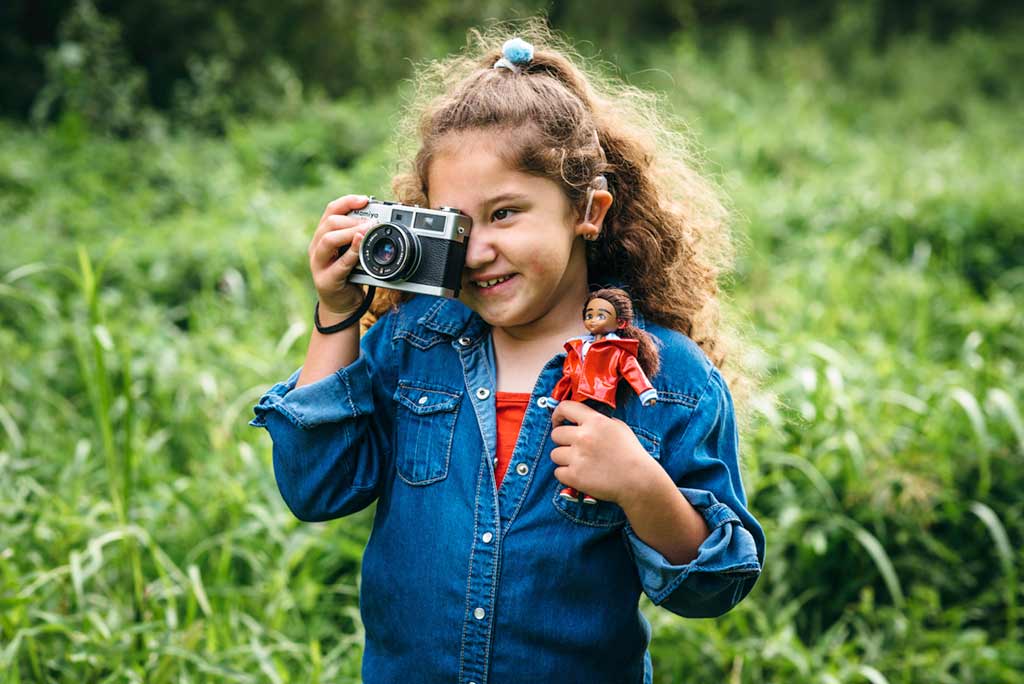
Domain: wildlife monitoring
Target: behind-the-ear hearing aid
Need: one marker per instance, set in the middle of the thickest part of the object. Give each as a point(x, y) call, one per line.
point(599, 183)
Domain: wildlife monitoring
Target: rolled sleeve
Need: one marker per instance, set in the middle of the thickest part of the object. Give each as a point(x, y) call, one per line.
point(331, 449)
point(649, 396)
point(344, 394)
point(723, 572)
point(705, 469)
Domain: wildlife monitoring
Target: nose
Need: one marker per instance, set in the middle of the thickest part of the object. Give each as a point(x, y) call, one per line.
point(480, 250)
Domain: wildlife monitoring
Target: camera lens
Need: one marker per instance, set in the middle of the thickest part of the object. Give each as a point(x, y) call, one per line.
point(384, 251)
point(389, 251)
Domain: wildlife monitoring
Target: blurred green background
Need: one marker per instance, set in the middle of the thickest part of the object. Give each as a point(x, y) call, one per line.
point(163, 166)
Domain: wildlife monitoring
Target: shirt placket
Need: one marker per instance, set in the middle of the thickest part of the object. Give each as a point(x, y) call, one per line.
point(529, 448)
point(482, 579)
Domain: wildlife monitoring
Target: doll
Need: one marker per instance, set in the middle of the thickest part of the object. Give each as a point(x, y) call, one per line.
point(594, 364)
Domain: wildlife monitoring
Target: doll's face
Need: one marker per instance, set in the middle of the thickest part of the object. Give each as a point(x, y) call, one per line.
point(599, 317)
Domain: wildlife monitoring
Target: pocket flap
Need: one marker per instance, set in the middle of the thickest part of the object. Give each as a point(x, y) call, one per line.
point(424, 400)
point(648, 441)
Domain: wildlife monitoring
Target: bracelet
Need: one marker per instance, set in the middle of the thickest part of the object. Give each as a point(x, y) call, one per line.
point(348, 322)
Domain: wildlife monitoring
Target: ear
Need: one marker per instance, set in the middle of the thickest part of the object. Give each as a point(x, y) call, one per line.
point(622, 324)
point(590, 226)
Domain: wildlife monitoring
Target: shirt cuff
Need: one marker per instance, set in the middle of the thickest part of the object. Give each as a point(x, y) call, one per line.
point(648, 395)
point(344, 394)
point(729, 553)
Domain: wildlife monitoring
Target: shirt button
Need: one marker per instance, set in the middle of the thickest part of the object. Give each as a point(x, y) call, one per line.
point(483, 393)
point(422, 400)
point(464, 341)
point(487, 537)
point(479, 613)
point(522, 468)
point(542, 402)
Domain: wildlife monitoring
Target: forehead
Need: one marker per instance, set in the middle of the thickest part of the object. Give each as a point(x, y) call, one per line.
point(471, 167)
point(600, 305)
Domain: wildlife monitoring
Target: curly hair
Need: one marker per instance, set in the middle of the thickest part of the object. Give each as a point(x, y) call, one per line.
point(666, 237)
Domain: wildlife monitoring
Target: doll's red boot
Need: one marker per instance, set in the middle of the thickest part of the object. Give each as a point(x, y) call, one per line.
point(569, 494)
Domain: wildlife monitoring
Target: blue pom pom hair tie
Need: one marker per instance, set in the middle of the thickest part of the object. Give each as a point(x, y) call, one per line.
point(515, 53)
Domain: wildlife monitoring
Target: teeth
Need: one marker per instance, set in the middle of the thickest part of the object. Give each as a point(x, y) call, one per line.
point(492, 283)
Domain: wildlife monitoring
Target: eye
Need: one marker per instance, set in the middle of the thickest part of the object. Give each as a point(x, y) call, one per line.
point(502, 214)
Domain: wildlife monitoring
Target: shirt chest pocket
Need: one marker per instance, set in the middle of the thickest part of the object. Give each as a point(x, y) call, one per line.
point(424, 431)
point(603, 513)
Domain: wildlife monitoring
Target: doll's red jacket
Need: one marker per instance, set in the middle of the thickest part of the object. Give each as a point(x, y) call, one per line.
point(597, 376)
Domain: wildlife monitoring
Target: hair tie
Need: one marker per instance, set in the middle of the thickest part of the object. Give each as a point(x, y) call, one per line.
point(515, 53)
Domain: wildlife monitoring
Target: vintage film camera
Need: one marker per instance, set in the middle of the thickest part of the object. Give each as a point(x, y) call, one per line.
point(413, 249)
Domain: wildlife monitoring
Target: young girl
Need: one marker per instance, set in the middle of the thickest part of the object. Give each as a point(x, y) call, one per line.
point(477, 570)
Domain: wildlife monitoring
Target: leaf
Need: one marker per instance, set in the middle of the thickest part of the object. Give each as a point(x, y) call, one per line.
point(878, 555)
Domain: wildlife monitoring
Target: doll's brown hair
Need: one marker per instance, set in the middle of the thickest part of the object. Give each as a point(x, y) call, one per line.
point(665, 236)
point(647, 353)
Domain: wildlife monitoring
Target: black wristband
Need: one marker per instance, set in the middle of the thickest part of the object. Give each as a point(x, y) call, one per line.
point(348, 322)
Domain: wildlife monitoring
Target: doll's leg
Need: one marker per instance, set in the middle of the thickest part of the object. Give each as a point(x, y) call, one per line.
point(570, 494)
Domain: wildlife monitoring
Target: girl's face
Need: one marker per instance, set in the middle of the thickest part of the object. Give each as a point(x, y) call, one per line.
point(526, 269)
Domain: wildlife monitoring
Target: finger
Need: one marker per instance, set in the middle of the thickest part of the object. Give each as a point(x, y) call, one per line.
point(326, 251)
point(331, 224)
point(564, 434)
point(561, 456)
point(344, 204)
point(571, 411)
point(335, 216)
point(344, 264)
point(563, 475)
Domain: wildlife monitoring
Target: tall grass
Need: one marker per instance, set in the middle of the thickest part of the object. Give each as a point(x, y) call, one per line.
point(151, 289)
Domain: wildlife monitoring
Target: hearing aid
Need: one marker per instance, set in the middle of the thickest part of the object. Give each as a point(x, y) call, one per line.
point(599, 183)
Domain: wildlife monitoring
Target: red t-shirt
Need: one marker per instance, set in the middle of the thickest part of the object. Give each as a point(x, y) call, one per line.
point(511, 407)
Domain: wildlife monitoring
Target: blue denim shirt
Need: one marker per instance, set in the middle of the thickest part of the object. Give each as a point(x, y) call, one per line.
point(465, 583)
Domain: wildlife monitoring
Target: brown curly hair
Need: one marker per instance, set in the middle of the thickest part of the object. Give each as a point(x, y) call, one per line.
point(665, 238)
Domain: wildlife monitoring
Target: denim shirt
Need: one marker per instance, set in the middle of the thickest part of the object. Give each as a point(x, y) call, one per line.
point(463, 582)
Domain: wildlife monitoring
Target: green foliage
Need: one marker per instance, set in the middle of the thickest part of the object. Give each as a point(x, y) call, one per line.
point(151, 288)
point(90, 78)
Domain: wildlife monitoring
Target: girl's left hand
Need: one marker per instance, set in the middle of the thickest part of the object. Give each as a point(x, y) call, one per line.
point(600, 455)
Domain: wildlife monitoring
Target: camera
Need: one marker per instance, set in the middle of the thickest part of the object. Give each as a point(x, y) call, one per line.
point(412, 249)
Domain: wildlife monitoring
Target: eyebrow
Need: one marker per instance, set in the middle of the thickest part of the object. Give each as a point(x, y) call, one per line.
point(504, 197)
point(600, 308)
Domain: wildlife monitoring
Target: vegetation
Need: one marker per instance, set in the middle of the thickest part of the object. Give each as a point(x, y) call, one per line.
point(154, 282)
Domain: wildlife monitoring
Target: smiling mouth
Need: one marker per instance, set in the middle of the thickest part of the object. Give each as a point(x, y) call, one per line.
point(487, 284)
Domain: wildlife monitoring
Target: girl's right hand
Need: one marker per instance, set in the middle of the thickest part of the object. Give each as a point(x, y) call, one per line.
point(338, 297)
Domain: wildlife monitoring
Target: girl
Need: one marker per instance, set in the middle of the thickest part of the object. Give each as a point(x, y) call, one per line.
point(476, 569)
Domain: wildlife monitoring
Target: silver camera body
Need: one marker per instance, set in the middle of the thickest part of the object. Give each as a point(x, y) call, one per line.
point(412, 249)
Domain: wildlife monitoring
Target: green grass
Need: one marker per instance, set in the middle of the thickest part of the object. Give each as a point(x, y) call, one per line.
point(151, 289)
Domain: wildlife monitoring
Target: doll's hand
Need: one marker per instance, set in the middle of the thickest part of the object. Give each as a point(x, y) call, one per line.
point(600, 455)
